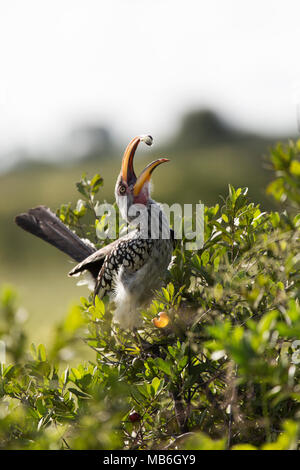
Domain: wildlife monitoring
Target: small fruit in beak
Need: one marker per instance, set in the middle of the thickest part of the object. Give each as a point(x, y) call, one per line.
point(127, 171)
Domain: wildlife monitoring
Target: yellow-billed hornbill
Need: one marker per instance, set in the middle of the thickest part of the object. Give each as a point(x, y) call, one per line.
point(131, 267)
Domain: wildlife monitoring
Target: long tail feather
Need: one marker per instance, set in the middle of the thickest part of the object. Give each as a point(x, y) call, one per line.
point(41, 222)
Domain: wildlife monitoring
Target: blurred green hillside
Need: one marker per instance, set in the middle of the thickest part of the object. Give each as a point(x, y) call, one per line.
point(206, 155)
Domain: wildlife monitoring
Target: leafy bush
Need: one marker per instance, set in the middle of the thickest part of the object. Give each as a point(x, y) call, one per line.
point(216, 364)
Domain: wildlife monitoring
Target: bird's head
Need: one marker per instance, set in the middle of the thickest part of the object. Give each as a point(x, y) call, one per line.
point(129, 189)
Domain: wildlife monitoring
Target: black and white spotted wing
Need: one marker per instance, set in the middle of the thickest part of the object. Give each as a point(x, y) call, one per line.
point(129, 254)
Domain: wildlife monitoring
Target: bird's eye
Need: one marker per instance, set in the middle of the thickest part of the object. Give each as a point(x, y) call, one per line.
point(122, 189)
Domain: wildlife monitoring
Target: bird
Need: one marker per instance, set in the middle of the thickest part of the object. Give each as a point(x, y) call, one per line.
point(130, 268)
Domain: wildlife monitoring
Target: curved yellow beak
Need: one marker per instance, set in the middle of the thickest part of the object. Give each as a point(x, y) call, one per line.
point(146, 175)
point(127, 171)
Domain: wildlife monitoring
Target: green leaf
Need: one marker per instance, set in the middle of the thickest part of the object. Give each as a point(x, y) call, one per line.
point(96, 183)
point(41, 353)
point(225, 218)
point(164, 366)
point(205, 257)
point(74, 319)
point(156, 382)
point(79, 393)
point(295, 167)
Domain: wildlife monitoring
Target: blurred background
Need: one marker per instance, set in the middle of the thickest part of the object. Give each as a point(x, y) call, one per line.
point(215, 83)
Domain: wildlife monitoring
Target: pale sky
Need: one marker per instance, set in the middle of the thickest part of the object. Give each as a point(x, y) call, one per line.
point(139, 64)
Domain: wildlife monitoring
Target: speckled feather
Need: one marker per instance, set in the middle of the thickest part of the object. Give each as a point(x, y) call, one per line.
point(129, 254)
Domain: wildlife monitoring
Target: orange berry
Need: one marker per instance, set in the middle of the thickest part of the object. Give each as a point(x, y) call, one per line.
point(162, 320)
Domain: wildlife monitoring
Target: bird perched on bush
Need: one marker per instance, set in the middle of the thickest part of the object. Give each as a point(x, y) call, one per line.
point(131, 267)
